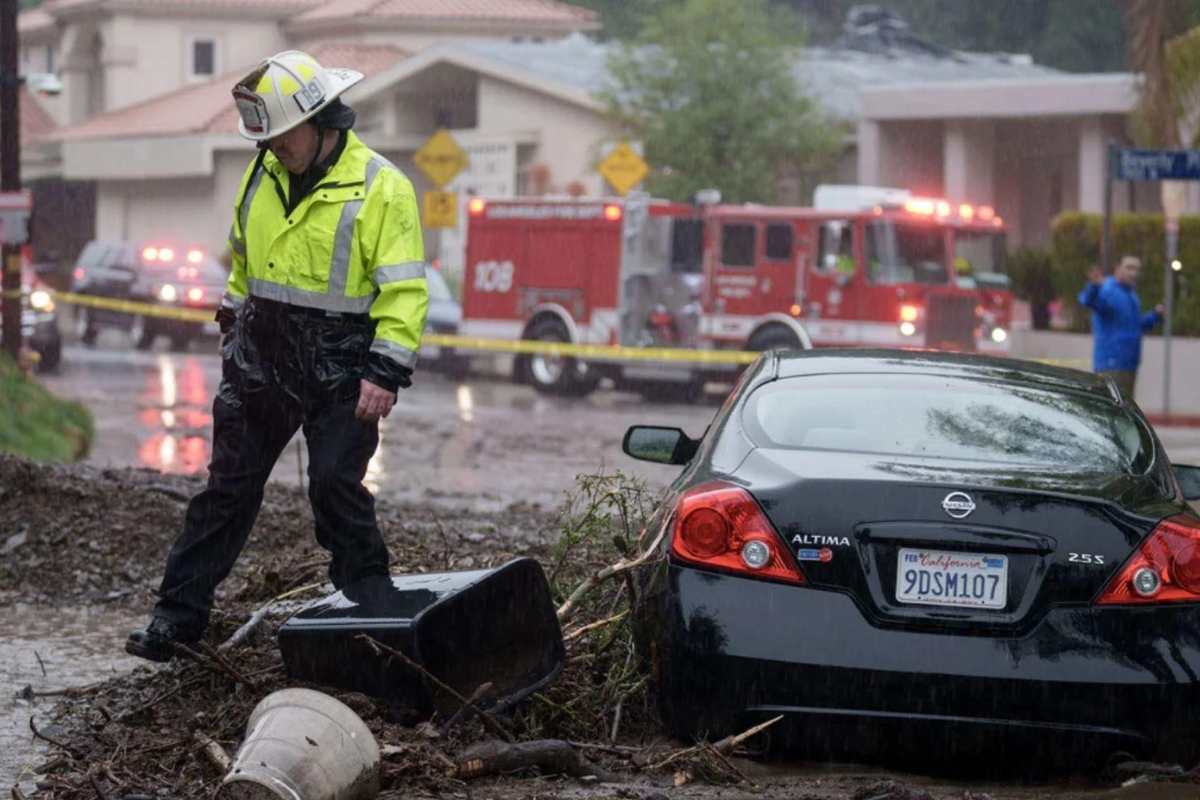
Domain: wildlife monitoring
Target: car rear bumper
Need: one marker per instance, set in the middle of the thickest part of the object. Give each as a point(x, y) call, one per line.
point(1111, 678)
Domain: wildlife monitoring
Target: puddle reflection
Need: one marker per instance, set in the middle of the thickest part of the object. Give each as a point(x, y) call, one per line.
point(177, 411)
point(466, 403)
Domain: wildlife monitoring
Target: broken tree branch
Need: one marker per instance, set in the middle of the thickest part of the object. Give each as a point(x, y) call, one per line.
point(213, 751)
point(723, 747)
point(477, 695)
point(548, 755)
point(575, 634)
point(39, 735)
point(489, 722)
point(568, 608)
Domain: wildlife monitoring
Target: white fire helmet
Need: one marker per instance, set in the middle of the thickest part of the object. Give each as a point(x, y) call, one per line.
point(285, 90)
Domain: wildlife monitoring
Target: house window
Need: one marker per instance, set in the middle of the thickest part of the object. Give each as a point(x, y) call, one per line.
point(204, 57)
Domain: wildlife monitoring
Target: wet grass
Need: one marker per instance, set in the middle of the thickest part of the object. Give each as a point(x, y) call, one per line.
point(36, 424)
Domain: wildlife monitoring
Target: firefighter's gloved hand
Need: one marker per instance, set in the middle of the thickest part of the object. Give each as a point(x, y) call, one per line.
point(386, 373)
point(374, 402)
point(225, 318)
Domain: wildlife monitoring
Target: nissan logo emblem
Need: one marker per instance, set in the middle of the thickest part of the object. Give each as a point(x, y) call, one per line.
point(958, 504)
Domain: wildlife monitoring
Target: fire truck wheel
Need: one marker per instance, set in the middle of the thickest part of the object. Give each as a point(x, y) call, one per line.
point(774, 337)
point(559, 375)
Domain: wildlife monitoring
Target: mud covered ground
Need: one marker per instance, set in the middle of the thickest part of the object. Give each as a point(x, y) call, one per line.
point(81, 536)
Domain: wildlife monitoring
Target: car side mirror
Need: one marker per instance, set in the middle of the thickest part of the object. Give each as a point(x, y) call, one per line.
point(658, 444)
point(1189, 481)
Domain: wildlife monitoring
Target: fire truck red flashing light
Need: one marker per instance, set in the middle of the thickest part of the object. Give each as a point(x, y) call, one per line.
point(865, 266)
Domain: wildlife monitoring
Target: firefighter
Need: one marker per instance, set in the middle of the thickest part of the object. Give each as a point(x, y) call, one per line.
point(321, 321)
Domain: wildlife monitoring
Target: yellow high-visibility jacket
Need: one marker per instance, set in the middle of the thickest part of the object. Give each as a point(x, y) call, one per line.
point(353, 245)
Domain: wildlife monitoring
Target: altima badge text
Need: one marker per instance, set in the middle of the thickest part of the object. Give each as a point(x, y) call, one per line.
point(810, 539)
point(958, 504)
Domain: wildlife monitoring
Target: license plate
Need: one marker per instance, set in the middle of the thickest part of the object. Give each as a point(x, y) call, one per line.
point(941, 578)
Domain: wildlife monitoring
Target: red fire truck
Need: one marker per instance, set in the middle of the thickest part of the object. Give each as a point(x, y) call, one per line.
point(865, 266)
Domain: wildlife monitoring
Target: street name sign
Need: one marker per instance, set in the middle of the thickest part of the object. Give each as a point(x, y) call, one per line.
point(440, 158)
point(623, 168)
point(1133, 164)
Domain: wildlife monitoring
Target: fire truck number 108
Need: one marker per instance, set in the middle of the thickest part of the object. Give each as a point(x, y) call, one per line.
point(493, 276)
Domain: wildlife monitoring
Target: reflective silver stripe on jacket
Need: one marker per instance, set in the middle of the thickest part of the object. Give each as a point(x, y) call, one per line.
point(238, 245)
point(399, 272)
point(248, 199)
point(300, 297)
point(398, 353)
point(229, 300)
point(343, 238)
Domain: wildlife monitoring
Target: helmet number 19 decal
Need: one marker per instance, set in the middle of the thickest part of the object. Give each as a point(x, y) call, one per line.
point(310, 96)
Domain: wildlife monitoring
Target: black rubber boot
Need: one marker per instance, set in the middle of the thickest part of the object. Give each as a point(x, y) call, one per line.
point(156, 642)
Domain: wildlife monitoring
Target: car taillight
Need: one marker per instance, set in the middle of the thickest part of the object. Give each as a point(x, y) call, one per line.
point(1165, 568)
point(721, 526)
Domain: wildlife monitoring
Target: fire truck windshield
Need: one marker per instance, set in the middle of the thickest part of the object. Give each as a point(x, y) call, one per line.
point(979, 258)
point(906, 253)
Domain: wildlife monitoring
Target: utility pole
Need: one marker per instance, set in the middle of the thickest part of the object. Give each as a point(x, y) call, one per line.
point(10, 175)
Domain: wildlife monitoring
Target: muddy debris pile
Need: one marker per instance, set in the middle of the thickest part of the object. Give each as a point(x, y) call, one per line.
point(152, 733)
point(79, 534)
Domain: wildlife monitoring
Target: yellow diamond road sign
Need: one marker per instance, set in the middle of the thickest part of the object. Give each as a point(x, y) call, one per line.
point(441, 210)
point(623, 168)
point(441, 158)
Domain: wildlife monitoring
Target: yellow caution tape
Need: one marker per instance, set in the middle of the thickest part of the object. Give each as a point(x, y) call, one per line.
point(134, 307)
point(595, 352)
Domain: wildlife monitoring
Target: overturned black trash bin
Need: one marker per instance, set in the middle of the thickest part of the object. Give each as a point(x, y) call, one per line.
point(466, 628)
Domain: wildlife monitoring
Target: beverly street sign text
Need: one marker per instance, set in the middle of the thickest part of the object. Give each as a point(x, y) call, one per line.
point(1130, 164)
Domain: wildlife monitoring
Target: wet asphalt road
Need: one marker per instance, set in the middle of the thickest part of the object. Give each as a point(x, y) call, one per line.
point(482, 442)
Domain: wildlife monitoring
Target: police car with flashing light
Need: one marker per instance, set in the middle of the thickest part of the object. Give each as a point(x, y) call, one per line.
point(150, 273)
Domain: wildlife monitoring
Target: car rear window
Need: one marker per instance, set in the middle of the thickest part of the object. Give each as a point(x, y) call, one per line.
point(943, 417)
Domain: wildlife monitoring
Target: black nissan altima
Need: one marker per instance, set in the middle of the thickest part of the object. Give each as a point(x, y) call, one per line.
point(916, 553)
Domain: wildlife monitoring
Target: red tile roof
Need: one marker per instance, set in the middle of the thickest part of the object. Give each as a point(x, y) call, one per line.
point(53, 6)
point(36, 122)
point(208, 107)
point(529, 11)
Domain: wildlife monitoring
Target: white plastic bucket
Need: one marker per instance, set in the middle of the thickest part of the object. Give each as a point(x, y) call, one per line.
point(304, 745)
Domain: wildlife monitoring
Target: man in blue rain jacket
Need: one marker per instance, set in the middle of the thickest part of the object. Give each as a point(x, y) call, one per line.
point(1118, 322)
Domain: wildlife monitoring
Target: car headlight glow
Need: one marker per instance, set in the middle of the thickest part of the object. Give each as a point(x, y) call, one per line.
point(907, 329)
point(40, 300)
point(168, 293)
point(999, 335)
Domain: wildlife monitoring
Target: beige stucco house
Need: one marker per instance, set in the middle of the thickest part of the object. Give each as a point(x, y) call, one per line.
point(147, 123)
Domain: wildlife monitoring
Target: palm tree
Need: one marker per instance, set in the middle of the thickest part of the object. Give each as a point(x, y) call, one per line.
point(1165, 50)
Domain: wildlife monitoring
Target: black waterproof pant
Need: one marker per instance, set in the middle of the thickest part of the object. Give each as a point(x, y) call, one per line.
point(282, 372)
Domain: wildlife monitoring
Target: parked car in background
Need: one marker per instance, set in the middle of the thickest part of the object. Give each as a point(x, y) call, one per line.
point(445, 316)
point(158, 274)
point(39, 321)
point(926, 555)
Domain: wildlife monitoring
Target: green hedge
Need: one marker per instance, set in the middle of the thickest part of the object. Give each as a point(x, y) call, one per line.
point(36, 424)
point(1076, 247)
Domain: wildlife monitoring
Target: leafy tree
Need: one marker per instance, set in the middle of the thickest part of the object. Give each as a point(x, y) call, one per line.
point(1074, 35)
point(622, 19)
point(708, 88)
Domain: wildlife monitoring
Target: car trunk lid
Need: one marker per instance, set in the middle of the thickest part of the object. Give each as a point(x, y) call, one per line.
point(874, 525)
